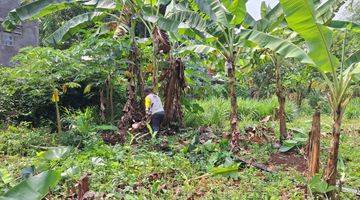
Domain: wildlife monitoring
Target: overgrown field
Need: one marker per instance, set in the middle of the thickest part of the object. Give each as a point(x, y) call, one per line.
point(191, 164)
point(255, 99)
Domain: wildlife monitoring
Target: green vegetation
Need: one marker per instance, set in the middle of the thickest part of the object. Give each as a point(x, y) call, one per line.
point(241, 98)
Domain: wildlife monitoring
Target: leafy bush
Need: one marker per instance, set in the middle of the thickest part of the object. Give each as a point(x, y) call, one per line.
point(23, 141)
point(25, 90)
point(80, 128)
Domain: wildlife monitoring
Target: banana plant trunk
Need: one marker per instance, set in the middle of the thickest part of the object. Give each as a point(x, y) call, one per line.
point(233, 100)
point(280, 93)
point(173, 85)
point(155, 72)
point(313, 150)
point(331, 168)
point(161, 46)
point(132, 111)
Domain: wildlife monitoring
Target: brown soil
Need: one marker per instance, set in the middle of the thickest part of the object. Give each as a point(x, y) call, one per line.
point(288, 160)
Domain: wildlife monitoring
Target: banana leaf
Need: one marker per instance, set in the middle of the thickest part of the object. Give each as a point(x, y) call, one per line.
point(300, 17)
point(72, 26)
point(33, 188)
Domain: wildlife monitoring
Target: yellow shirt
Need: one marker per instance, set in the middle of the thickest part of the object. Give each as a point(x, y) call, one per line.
point(153, 104)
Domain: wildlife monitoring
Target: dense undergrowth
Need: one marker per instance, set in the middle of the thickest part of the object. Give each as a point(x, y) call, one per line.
point(181, 166)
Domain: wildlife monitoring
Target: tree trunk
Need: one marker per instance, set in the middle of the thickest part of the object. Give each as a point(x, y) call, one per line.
point(161, 46)
point(281, 99)
point(58, 120)
point(173, 84)
point(111, 101)
point(131, 111)
point(331, 168)
point(154, 73)
point(233, 99)
point(102, 106)
point(299, 99)
point(303, 94)
point(313, 150)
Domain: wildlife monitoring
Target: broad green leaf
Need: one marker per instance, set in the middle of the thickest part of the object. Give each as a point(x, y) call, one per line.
point(149, 14)
point(283, 47)
point(56, 152)
point(237, 8)
point(224, 170)
point(174, 7)
point(353, 58)
point(345, 24)
point(102, 4)
point(184, 19)
point(301, 18)
point(71, 25)
point(163, 2)
point(286, 148)
point(33, 188)
point(318, 185)
point(274, 13)
point(249, 21)
point(5, 176)
point(34, 10)
point(197, 49)
point(356, 69)
point(291, 143)
point(215, 10)
point(70, 172)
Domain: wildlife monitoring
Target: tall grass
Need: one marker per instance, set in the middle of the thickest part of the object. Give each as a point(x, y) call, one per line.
point(353, 109)
point(217, 110)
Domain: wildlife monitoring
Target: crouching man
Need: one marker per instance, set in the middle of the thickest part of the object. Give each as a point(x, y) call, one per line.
point(154, 109)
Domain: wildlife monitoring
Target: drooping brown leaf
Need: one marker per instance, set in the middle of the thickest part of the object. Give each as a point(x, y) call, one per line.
point(161, 41)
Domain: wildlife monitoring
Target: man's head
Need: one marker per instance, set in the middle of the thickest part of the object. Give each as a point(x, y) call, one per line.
point(147, 91)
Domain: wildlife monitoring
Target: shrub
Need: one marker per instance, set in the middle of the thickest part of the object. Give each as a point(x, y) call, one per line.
point(23, 141)
point(25, 89)
point(80, 128)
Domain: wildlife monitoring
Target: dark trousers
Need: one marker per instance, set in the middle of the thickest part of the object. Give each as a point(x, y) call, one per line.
point(156, 120)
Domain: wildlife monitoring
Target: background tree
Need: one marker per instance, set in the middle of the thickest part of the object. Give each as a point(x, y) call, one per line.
point(218, 33)
point(338, 76)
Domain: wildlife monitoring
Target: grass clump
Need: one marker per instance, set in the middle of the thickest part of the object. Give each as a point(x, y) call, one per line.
point(216, 111)
point(353, 109)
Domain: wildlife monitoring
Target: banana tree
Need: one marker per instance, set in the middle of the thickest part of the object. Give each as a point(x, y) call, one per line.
point(215, 23)
point(98, 9)
point(271, 23)
point(339, 76)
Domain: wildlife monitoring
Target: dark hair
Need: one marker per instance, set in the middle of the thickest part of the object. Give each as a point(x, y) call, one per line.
point(147, 90)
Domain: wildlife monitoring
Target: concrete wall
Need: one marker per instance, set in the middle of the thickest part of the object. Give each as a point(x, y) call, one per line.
point(27, 34)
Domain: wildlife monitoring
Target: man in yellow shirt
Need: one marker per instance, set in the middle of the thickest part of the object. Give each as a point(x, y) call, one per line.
point(154, 108)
